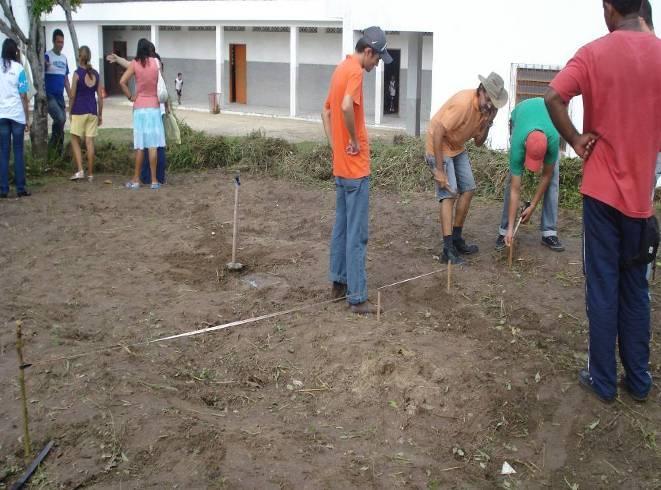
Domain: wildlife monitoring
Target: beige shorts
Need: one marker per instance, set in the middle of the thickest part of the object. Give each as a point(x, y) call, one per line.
point(85, 125)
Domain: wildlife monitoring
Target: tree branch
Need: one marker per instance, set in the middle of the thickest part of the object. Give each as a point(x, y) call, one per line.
point(17, 34)
point(6, 30)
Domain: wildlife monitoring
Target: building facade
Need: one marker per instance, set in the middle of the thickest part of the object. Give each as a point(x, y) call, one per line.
point(276, 56)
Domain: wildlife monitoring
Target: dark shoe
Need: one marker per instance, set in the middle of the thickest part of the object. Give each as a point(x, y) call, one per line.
point(364, 308)
point(339, 290)
point(25, 193)
point(585, 381)
point(3, 195)
point(553, 243)
point(500, 243)
point(464, 248)
point(451, 255)
point(634, 396)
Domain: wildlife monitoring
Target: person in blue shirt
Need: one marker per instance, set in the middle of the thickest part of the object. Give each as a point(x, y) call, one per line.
point(57, 81)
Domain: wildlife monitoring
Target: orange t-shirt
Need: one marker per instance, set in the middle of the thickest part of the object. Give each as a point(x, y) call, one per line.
point(462, 120)
point(348, 80)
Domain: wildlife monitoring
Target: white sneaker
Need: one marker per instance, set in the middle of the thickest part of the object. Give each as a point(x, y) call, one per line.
point(90, 178)
point(78, 175)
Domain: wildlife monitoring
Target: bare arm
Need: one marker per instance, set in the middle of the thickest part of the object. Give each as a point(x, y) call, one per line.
point(67, 86)
point(439, 172)
point(26, 110)
point(544, 182)
point(72, 93)
point(113, 58)
point(99, 102)
point(581, 143)
point(326, 118)
point(486, 126)
point(515, 196)
point(348, 113)
point(124, 82)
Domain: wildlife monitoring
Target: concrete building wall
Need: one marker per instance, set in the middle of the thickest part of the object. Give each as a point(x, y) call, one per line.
point(470, 37)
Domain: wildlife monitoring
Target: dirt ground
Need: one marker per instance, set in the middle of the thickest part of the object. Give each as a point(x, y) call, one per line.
point(439, 394)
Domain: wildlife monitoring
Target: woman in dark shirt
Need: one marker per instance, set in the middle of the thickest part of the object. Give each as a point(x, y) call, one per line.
point(86, 109)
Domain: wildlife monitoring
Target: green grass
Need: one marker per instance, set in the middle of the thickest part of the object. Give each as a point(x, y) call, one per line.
point(397, 165)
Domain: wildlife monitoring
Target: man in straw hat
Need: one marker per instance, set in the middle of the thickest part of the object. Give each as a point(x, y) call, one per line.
point(535, 146)
point(468, 114)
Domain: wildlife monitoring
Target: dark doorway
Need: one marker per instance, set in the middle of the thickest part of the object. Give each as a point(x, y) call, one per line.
point(391, 86)
point(238, 91)
point(113, 72)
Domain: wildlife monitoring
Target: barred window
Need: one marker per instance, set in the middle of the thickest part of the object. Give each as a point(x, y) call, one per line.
point(234, 28)
point(270, 29)
point(307, 30)
point(333, 30)
point(202, 28)
point(530, 81)
point(169, 28)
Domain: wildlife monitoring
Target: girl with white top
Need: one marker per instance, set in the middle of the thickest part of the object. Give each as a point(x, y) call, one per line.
point(14, 119)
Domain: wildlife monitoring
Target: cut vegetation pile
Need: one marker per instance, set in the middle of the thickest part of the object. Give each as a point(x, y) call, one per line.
point(397, 166)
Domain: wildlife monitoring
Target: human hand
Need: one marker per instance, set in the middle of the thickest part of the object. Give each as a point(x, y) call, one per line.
point(100, 121)
point(509, 236)
point(584, 144)
point(526, 214)
point(27, 127)
point(353, 148)
point(441, 178)
point(111, 58)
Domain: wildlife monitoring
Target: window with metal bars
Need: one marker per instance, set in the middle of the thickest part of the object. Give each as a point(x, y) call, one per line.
point(530, 81)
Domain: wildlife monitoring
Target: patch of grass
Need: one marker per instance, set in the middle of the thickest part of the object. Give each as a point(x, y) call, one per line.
point(397, 166)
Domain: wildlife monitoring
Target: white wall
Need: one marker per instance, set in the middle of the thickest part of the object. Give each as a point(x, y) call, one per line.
point(88, 33)
point(129, 36)
point(504, 33)
point(471, 37)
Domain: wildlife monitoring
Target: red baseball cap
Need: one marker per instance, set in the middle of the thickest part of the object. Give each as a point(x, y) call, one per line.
point(536, 145)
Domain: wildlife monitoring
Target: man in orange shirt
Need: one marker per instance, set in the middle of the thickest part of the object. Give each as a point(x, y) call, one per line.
point(344, 122)
point(467, 115)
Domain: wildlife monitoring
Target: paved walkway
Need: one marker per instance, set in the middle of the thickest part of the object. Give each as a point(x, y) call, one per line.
point(117, 114)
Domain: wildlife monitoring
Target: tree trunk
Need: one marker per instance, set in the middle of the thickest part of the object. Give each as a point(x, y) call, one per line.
point(66, 6)
point(35, 54)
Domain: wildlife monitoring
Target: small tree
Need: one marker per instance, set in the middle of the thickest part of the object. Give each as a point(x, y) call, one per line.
point(34, 45)
point(70, 6)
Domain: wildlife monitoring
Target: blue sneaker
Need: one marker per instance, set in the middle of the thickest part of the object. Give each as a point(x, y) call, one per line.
point(585, 381)
point(634, 396)
point(156, 186)
point(132, 185)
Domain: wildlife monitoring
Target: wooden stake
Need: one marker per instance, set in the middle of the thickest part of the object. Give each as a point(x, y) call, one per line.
point(236, 208)
point(449, 275)
point(378, 306)
point(511, 252)
point(27, 447)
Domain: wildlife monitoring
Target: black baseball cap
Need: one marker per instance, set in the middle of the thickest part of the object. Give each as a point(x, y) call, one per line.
point(376, 38)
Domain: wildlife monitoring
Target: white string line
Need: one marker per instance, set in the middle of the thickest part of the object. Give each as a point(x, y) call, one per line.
point(224, 326)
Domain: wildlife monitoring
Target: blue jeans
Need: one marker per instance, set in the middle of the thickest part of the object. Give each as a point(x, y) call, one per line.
point(11, 132)
point(145, 171)
point(549, 224)
point(348, 248)
point(616, 299)
point(57, 112)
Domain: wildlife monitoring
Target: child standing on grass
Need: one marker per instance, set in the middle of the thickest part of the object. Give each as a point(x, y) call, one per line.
point(179, 86)
point(83, 113)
